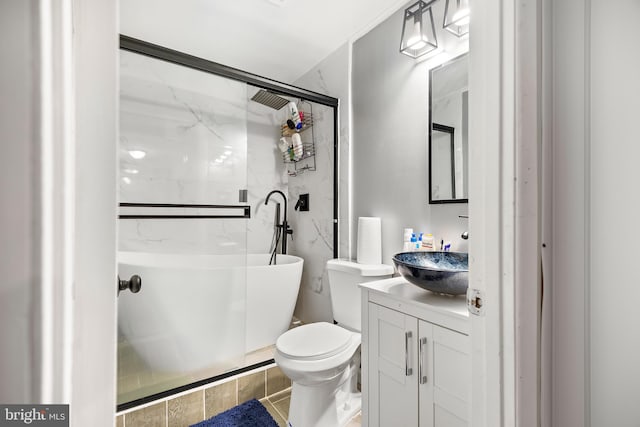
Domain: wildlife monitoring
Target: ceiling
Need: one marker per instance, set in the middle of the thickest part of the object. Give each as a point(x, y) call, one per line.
point(279, 39)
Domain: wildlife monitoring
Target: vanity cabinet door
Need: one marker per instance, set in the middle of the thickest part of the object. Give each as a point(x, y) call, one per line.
point(425, 374)
point(393, 377)
point(444, 393)
point(418, 372)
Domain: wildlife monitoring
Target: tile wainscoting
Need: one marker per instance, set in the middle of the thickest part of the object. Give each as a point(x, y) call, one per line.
point(191, 407)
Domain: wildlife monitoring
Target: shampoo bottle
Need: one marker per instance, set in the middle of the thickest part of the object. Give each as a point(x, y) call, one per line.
point(294, 115)
point(298, 150)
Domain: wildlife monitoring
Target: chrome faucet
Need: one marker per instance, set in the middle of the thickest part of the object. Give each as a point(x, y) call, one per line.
point(285, 226)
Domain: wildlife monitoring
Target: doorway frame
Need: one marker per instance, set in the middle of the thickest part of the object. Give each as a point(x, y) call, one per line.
point(505, 211)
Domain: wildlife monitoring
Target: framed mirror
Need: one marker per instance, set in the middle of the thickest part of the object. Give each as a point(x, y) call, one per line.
point(449, 132)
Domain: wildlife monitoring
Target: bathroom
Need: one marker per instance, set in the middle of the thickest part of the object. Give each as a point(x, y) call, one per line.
point(143, 83)
point(536, 205)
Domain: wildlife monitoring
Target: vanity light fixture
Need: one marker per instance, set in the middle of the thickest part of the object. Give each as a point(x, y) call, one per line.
point(418, 30)
point(456, 17)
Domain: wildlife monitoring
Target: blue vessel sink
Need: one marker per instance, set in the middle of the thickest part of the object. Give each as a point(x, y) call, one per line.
point(440, 272)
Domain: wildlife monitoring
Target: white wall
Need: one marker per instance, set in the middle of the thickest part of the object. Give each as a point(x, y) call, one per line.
point(595, 103)
point(390, 139)
point(614, 61)
point(565, 261)
point(19, 212)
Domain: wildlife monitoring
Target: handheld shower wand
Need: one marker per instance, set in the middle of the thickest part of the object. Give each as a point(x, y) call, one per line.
point(285, 226)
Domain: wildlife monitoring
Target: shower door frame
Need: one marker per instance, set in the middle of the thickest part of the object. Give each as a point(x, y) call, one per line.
point(165, 54)
point(180, 58)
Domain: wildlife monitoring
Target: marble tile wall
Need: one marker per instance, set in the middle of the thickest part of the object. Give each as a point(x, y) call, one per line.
point(183, 139)
point(315, 240)
point(266, 171)
point(313, 230)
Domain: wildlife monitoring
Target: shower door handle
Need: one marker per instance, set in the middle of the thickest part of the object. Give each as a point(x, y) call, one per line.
point(134, 284)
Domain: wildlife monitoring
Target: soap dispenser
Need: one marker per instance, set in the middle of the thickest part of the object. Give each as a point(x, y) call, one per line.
point(413, 242)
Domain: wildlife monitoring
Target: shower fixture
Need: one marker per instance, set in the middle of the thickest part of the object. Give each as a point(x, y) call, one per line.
point(269, 99)
point(283, 228)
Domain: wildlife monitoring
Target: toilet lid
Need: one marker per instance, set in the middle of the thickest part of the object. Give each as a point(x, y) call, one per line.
point(315, 340)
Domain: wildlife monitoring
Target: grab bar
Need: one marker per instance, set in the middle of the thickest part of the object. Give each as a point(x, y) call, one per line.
point(224, 211)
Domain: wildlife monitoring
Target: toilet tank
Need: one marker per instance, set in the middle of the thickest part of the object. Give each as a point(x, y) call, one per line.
point(344, 277)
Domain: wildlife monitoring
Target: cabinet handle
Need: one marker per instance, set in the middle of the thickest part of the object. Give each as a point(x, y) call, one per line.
point(421, 374)
point(407, 369)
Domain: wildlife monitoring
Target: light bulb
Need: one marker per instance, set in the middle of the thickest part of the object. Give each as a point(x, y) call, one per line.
point(415, 41)
point(137, 154)
point(461, 17)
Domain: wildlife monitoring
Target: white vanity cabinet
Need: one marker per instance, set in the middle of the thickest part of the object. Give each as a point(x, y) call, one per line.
point(415, 357)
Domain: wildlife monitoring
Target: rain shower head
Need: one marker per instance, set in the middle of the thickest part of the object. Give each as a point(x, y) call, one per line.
point(270, 99)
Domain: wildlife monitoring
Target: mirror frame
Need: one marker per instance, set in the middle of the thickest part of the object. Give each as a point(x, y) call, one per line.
point(451, 131)
point(441, 128)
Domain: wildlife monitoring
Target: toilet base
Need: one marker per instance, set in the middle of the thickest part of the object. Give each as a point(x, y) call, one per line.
point(329, 404)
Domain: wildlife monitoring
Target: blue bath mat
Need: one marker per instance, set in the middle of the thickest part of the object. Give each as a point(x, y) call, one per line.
point(248, 414)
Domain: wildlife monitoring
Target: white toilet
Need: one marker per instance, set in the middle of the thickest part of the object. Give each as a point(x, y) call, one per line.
point(323, 359)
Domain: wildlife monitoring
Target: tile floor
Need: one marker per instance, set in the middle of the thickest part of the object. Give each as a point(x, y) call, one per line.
point(278, 406)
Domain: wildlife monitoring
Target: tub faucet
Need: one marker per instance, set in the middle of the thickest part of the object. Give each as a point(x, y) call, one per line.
point(285, 226)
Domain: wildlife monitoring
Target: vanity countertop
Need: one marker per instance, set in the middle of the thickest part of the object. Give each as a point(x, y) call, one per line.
point(398, 294)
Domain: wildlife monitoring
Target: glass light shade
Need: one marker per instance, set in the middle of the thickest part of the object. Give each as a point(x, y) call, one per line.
point(418, 30)
point(456, 17)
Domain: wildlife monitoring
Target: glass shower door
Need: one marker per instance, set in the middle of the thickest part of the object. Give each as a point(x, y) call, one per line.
point(182, 227)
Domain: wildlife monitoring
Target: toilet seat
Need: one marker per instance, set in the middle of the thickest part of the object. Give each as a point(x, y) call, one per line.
point(335, 346)
point(314, 341)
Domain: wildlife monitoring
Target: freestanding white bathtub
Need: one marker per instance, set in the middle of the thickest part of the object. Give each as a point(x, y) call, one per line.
point(195, 312)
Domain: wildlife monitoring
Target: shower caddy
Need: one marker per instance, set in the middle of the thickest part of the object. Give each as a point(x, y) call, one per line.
point(308, 160)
